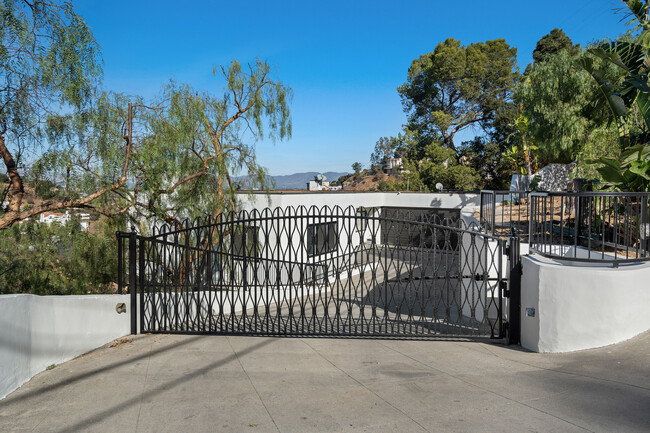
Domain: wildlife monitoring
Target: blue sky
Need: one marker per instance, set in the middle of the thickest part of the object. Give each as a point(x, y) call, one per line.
point(343, 59)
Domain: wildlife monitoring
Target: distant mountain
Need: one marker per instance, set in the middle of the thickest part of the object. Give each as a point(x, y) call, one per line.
point(299, 180)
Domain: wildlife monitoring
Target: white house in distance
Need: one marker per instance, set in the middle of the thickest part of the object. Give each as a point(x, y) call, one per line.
point(62, 218)
point(319, 184)
point(393, 165)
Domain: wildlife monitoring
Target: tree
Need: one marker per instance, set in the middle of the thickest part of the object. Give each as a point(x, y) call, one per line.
point(385, 148)
point(557, 114)
point(176, 158)
point(357, 168)
point(552, 43)
point(196, 142)
point(486, 158)
point(48, 59)
point(440, 165)
point(171, 158)
point(456, 87)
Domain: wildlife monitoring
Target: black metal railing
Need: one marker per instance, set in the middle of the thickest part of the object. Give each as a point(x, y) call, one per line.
point(319, 271)
point(610, 227)
point(505, 213)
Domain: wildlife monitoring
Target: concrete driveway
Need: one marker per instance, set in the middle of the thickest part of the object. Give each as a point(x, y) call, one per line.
point(174, 383)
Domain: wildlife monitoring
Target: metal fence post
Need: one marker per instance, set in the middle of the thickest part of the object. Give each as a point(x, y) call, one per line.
point(514, 304)
point(133, 280)
point(120, 262)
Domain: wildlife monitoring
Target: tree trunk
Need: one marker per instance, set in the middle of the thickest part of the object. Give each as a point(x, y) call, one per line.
point(16, 187)
point(448, 141)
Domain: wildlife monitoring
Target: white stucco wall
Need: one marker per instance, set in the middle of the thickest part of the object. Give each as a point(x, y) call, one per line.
point(38, 331)
point(581, 306)
point(361, 199)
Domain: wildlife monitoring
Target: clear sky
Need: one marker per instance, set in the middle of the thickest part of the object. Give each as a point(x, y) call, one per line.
point(343, 59)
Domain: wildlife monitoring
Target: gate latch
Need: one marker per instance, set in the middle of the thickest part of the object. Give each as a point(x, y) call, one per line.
point(504, 289)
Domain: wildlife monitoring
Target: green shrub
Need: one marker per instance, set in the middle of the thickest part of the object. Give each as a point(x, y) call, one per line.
point(57, 260)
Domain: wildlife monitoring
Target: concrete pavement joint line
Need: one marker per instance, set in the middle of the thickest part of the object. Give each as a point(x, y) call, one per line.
point(252, 384)
point(365, 387)
point(487, 389)
point(66, 382)
point(144, 386)
point(129, 402)
point(68, 390)
point(569, 373)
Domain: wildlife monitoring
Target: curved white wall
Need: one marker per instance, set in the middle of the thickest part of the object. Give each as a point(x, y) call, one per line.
point(38, 331)
point(581, 307)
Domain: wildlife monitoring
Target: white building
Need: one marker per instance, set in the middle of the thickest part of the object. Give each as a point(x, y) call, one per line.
point(393, 165)
point(63, 218)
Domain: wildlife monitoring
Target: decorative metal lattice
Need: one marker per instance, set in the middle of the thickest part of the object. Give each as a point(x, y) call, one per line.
point(319, 271)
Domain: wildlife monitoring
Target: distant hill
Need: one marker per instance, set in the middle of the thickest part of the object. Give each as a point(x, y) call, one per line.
point(299, 180)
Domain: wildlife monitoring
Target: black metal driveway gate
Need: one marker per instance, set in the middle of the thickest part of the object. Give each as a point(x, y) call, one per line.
point(319, 271)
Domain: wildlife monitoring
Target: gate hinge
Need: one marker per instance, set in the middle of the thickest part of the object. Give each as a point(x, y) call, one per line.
point(504, 288)
point(508, 250)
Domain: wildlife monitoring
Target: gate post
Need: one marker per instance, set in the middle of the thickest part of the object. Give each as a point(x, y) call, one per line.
point(133, 280)
point(514, 281)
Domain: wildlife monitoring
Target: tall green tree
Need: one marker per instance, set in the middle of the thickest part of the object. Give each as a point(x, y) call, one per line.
point(556, 98)
point(456, 87)
point(196, 142)
point(552, 43)
point(357, 168)
point(385, 148)
point(169, 158)
point(49, 61)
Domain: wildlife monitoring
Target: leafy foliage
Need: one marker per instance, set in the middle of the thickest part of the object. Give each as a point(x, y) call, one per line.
point(440, 165)
point(385, 148)
point(631, 172)
point(552, 43)
point(49, 60)
point(57, 260)
point(357, 168)
point(486, 158)
point(627, 100)
point(455, 87)
point(193, 145)
point(556, 96)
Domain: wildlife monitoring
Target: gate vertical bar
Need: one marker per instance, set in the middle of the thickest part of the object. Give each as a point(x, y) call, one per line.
point(141, 284)
point(514, 304)
point(120, 262)
point(132, 281)
point(493, 223)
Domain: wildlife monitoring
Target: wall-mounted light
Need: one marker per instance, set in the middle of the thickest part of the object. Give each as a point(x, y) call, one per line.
point(530, 312)
point(120, 308)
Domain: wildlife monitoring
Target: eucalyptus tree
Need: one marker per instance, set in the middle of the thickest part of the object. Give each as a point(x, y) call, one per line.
point(456, 87)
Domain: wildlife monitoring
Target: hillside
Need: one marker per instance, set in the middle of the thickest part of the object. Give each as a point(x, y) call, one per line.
point(367, 182)
point(298, 180)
